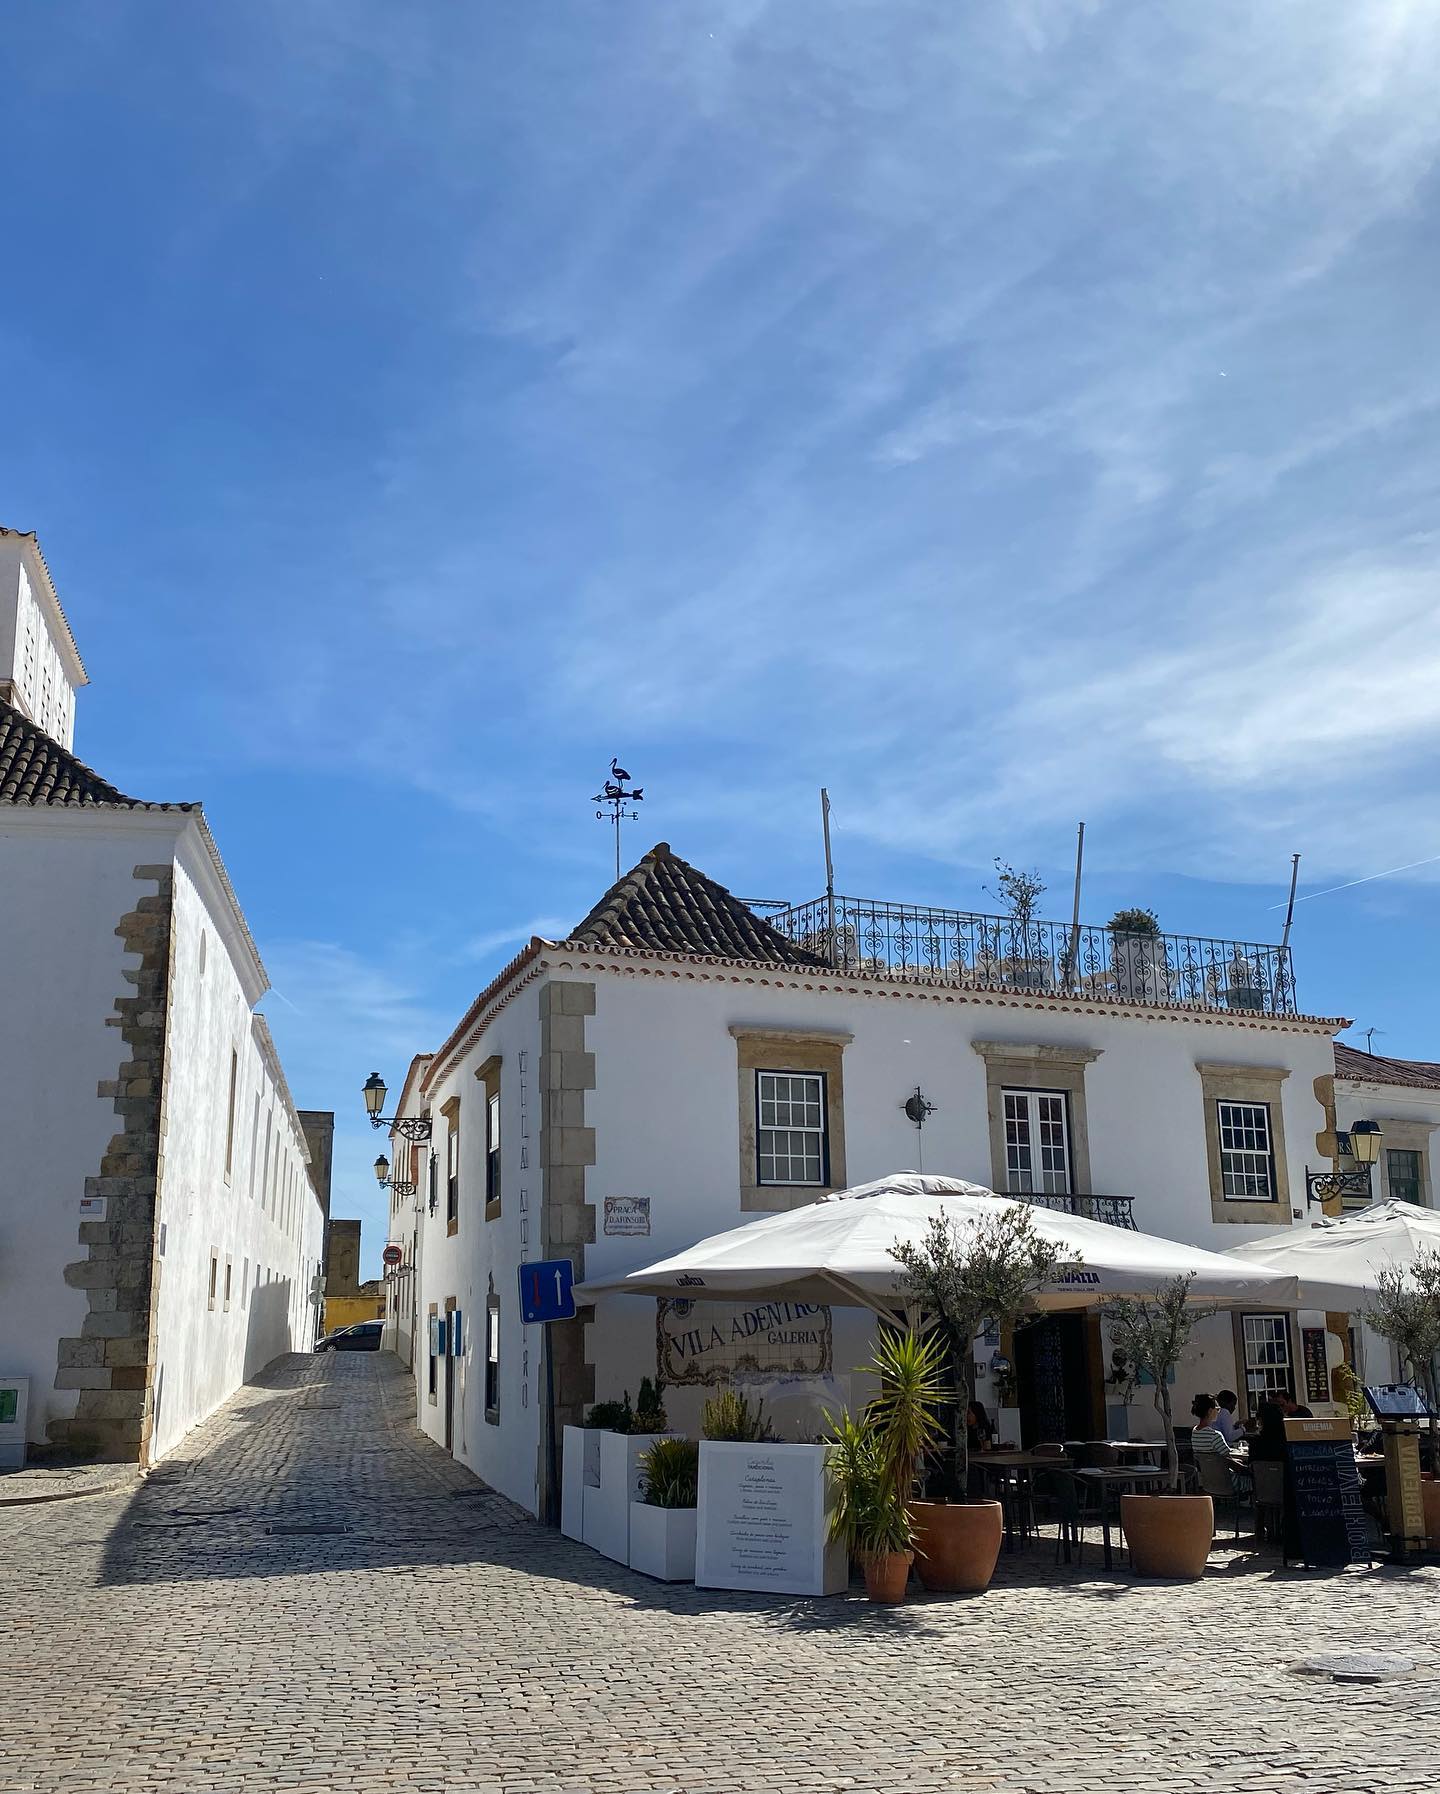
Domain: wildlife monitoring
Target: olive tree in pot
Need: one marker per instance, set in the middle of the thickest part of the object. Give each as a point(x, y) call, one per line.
point(962, 1281)
point(1168, 1534)
point(1405, 1309)
point(876, 1459)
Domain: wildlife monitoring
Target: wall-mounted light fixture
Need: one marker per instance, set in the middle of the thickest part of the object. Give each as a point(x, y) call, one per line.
point(917, 1108)
point(386, 1182)
point(409, 1127)
point(1362, 1144)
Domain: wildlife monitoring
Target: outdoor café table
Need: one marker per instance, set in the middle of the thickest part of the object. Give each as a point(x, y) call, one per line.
point(1145, 1451)
point(993, 1464)
point(1123, 1480)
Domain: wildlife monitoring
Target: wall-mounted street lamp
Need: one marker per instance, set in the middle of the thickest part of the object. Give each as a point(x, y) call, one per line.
point(1363, 1143)
point(386, 1182)
point(409, 1127)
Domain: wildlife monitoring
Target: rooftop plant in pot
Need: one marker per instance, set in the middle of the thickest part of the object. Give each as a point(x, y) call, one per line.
point(876, 1459)
point(1168, 1534)
point(1137, 951)
point(962, 1281)
point(1405, 1309)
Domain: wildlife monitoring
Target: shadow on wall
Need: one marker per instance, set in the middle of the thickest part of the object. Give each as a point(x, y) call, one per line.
point(266, 1322)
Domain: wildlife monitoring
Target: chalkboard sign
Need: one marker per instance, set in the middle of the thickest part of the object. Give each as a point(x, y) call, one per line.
point(1325, 1523)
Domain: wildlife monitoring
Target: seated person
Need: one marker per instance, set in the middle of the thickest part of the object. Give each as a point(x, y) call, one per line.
point(1284, 1399)
point(979, 1427)
point(1226, 1424)
point(1207, 1439)
point(1267, 1436)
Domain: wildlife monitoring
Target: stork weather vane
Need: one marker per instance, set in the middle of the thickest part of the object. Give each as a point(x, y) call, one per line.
point(612, 799)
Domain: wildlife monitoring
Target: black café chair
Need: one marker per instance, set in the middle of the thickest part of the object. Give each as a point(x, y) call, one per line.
point(1218, 1481)
point(1092, 1454)
point(1075, 1504)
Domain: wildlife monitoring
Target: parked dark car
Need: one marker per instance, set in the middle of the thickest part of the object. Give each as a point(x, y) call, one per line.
point(364, 1336)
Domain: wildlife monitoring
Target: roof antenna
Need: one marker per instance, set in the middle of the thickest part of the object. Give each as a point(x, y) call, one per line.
point(1286, 982)
point(829, 876)
point(614, 796)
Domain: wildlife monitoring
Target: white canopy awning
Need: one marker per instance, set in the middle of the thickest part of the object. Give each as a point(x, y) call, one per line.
point(837, 1249)
point(1335, 1263)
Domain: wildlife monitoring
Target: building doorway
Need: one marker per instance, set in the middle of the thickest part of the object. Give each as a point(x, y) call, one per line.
point(450, 1374)
point(1059, 1379)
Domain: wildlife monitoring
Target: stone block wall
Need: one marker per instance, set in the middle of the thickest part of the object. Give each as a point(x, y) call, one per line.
point(112, 1363)
point(567, 1150)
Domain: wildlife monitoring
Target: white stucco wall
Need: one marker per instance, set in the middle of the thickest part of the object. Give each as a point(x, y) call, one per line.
point(664, 1110)
point(461, 1265)
point(65, 882)
point(66, 879)
point(262, 1218)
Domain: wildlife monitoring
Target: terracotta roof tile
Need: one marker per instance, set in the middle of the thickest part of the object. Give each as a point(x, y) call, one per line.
point(1375, 1068)
point(664, 905)
point(36, 770)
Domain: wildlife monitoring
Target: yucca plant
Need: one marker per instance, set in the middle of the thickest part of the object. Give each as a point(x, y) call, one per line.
point(905, 1415)
point(671, 1469)
point(870, 1517)
point(728, 1416)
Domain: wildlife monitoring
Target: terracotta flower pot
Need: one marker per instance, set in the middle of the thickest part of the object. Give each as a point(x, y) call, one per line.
point(956, 1544)
point(1168, 1535)
point(886, 1574)
point(1430, 1495)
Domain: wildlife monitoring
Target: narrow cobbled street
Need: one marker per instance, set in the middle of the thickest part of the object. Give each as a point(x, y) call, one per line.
point(313, 1596)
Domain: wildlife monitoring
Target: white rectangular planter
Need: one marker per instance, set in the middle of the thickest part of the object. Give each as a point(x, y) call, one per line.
point(1007, 1425)
point(662, 1541)
point(572, 1481)
point(763, 1518)
point(605, 1521)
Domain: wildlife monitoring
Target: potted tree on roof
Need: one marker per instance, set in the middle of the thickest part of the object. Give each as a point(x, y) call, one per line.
point(1137, 951)
point(1168, 1534)
point(1405, 1310)
point(961, 1282)
point(1016, 952)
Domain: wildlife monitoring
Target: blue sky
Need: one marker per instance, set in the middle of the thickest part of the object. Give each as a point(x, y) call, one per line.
point(1002, 414)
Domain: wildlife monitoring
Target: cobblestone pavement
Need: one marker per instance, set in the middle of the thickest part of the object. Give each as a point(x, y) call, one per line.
point(179, 1639)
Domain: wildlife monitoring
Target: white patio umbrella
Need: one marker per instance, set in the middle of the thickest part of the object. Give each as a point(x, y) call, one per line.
point(1335, 1263)
point(837, 1249)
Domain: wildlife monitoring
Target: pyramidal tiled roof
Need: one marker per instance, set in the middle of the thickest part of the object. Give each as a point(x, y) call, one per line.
point(36, 770)
point(664, 905)
point(1375, 1068)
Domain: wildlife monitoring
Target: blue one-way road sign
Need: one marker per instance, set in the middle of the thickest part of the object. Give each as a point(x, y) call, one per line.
point(545, 1290)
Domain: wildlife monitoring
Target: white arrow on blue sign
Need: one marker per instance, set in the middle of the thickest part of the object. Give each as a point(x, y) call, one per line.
point(546, 1292)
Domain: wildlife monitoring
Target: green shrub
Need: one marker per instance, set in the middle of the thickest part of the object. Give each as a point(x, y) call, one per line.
point(611, 1417)
point(1134, 921)
point(729, 1416)
point(649, 1416)
point(672, 1473)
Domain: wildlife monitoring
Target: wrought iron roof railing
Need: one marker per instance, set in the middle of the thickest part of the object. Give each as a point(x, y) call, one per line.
point(1118, 1211)
point(947, 946)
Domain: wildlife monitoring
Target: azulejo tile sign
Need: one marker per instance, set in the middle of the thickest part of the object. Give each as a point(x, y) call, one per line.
point(714, 1342)
point(627, 1214)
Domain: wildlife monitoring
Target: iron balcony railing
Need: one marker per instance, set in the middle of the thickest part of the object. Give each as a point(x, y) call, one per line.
point(911, 941)
point(1118, 1211)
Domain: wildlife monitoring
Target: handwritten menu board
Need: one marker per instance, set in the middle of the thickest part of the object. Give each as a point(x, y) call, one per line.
point(1325, 1523)
point(1317, 1366)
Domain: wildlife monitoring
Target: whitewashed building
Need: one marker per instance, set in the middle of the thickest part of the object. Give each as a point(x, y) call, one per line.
point(679, 1065)
point(160, 1235)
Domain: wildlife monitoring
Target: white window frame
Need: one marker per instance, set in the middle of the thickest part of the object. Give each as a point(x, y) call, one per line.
point(788, 1144)
point(1245, 1165)
point(1029, 1119)
point(1267, 1353)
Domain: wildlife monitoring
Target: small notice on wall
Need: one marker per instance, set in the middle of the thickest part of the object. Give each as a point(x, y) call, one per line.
point(1317, 1366)
point(92, 1208)
point(627, 1214)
